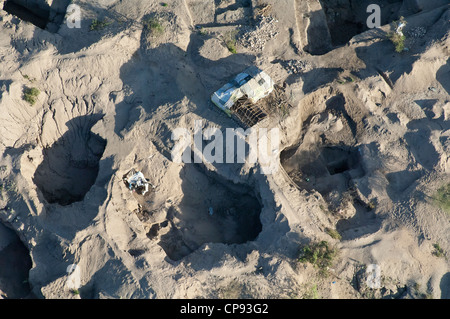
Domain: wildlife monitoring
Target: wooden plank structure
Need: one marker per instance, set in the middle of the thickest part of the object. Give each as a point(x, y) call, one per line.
point(247, 113)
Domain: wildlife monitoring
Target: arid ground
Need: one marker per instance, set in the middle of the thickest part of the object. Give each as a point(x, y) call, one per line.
point(363, 168)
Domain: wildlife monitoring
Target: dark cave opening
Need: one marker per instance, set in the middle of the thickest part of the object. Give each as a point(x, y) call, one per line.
point(71, 165)
point(348, 18)
point(15, 265)
point(39, 12)
point(37, 17)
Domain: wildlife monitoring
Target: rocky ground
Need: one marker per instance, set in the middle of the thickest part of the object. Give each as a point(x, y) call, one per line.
point(365, 149)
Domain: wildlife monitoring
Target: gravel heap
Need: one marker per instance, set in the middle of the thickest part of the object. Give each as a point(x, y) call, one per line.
point(296, 66)
point(255, 37)
point(417, 32)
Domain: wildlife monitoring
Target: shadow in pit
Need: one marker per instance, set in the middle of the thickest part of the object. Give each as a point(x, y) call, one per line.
point(106, 281)
point(317, 29)
point(71, 165)
point(213, 210)
point(15, 264)
point(344, 24)
point(330, 170)
point(59, 217)
point(445, 286)
point(418, 139)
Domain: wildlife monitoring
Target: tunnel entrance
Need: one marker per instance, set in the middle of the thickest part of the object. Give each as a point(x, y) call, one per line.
point(326, 169)
point(331, 170)
point(70, 166)
point(39, 12)
point(328, 160)
point(339, 160)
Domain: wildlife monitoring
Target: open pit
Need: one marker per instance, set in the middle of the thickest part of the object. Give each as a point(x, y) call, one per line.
point(331, 171)
point(212, 210)
point(327, 24)
point(329, 160)
point(70, 166)
point(325, 169)
point(15, 264)
point(345, 24)
point(45, 14)
point(326, 157)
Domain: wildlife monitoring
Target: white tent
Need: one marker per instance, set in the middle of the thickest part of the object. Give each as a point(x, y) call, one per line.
point(253, 82)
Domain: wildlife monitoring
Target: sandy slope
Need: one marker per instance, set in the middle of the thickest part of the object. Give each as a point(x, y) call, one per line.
point(110, 99)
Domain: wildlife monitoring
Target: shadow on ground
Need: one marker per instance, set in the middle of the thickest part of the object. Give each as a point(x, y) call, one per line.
point(15, 263)
point(70, 166)
point(173, 82)
point(445, 286)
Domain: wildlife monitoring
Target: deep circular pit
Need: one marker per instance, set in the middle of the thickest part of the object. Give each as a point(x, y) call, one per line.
point(212, 210)
point(70, 166)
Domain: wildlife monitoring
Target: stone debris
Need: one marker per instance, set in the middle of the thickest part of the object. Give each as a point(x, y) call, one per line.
point(256, 37)
point(417, 32)
point(296, 66)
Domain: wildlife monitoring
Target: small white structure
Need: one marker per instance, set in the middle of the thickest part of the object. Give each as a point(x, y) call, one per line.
point(73, 277)
point(136, 182)
point(400, 27)
point(253, 82)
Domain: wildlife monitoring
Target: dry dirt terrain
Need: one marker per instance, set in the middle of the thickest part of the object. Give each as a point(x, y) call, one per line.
point(363, 164)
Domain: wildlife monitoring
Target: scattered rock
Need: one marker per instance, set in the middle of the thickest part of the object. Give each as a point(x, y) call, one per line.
point(296, 66)
point(417, 32)
point(256, 37)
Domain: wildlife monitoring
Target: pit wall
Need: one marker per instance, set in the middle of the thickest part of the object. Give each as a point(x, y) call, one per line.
point(313, 103)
